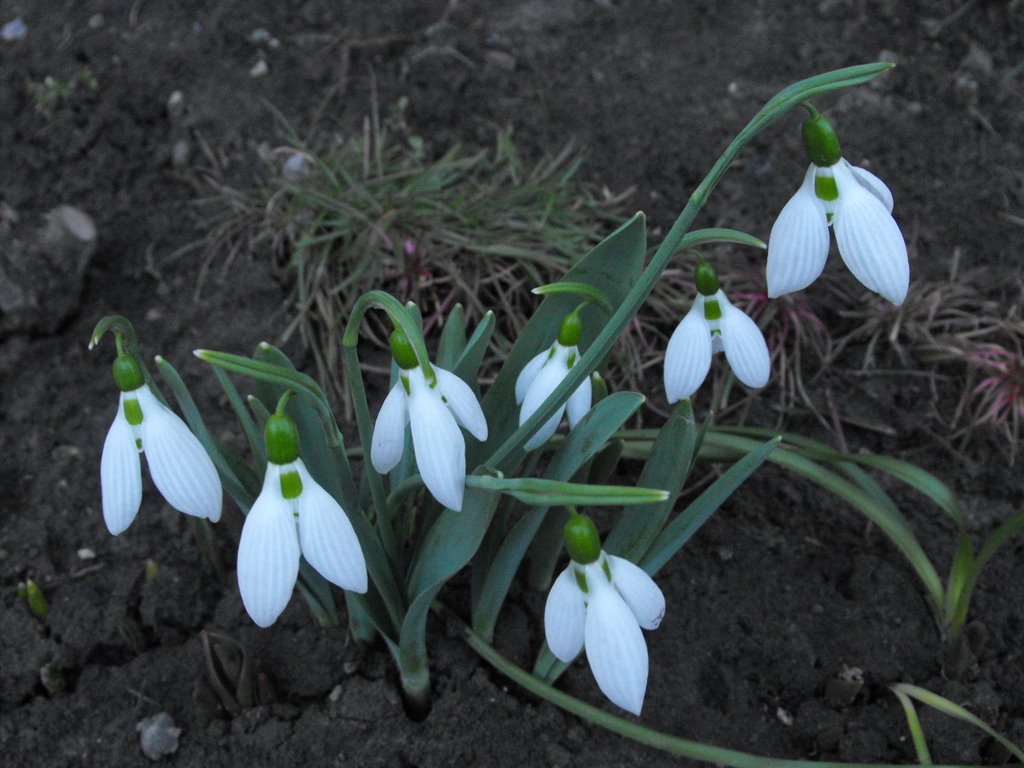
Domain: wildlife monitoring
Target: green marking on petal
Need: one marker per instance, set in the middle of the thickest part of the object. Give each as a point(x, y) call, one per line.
point(291, 484)
point(132, 411)
point(581, 580)
point(607, 569)
point(825, 188)
point(405, 384)
point(712, 310)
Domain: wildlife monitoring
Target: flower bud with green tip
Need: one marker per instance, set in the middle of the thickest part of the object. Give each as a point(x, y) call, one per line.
point(600, 602)
point(856, 204)
point(181, 469)
point(292, 516)
point(545, 372)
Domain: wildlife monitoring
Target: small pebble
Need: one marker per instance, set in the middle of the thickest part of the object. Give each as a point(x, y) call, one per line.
point(96, 21)
point(180, 153)
point(295, 168)
point(13, 30)
point(176, 105)
point(784, 716)
point(86, 554)
point(260, 69)
point(158, 736)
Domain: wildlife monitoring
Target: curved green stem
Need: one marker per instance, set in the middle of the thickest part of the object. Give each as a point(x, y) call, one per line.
point(772, 111)
point(399, 317)
point(630, 728)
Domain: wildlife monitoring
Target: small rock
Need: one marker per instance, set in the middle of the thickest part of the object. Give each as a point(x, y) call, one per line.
point(784, 716)
point(180, 153)
point(978, 61)
point(841, 690)
point(295, 168)
point(501, 60)
point(86, 554)
point(96, 21)
point(175, 106)
point(13, 30)
point(259, 69)
point(158, 736)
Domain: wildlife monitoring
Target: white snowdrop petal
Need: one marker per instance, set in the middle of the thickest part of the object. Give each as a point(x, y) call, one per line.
point(798, 243)
point(388, 442)
point(745, 347)
point(565, 617)
point(616, 649)
point(579, 402)
point(268, 553)
point(439, 445)
point(688, 356)
point(642, 595)
point(549, 377)
point(327, 538)
point(870, 241)
point(873, 184)
point(462, 402)
point(120, 475)
point(529, 373)
point(181, 469)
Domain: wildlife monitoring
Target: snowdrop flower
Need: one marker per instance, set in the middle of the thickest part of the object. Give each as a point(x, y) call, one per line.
point(434, 410)
point(856, 204)
point(181, 469)
point(714, 325)
point(292, 516)
point(601, 602)
point(544, 373)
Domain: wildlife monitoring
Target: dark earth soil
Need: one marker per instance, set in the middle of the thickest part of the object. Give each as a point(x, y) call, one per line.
point(776, 599)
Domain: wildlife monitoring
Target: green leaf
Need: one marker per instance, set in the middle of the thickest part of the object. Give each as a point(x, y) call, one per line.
point(449, 545)
point(689, 521)
point(467, 367)
point(590, 292)
point(580, 446)
point(229, 476)
point(675, 239)
point(611, 267)
point(721, 444)
point(668, 467)
point(550, 493)
point(253, 434)
point(453, 338)
point(924, 757)
point(947, 707)
point(917, 478)
point(998, 537)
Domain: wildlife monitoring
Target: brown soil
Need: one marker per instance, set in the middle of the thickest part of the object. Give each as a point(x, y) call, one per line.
point(779, 594)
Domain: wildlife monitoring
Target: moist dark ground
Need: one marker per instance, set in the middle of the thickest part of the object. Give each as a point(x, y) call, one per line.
point(780, 592)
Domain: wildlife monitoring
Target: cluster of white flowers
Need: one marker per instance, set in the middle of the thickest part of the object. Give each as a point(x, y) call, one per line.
point(599, 602)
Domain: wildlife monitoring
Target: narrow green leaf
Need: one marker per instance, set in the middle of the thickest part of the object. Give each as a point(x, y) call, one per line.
point(998, 537)
point(579, 447)
point(689, 521)
point(453, 338)
point(253, 434)
point(894, 528)
point(549, 493)
point(590, 292)
point(947, 707)
point(668, 467)
point(631, 729)
point(612, 267)
point(228, 474)
point(449, 545)
point(917, 478)
point(467, 367)
point(924, 757)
